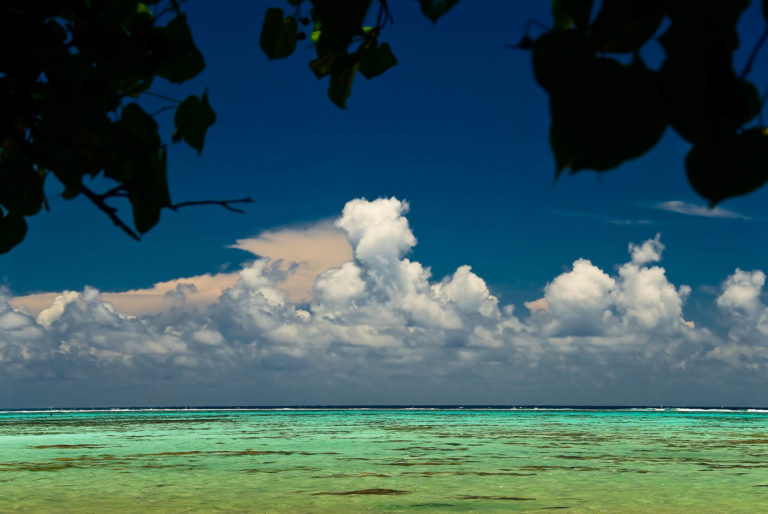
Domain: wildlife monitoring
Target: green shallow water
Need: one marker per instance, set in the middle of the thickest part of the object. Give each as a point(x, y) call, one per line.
point(373, 460)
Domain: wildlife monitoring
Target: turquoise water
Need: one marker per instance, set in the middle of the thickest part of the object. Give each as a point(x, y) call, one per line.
point(384, 460)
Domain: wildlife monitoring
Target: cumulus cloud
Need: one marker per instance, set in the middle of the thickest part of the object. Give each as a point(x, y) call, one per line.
point(639, 301)
point(646, 296)
point(747, 317)
point(376, 326)
point(741, 292)
point(22, 338)
point(649, 251)
point(579, 300)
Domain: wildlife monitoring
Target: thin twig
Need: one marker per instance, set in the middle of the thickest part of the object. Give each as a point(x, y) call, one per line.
point(763, 99)
point(526, 42)
point(223, 203)
point(167, 9)
point(162, 97)
point(534, 21)
point(754, 53)
point(118, 190)
point(378, 17)
point(387, 13)
point(384, 16)
point(297, 12)
point(166, 108)
point(98, 201)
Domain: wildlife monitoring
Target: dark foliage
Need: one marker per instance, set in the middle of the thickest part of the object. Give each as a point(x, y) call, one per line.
point(607, 105)
point(69, 92)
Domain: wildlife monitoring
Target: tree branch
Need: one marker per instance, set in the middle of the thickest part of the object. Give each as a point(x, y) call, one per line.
point(753, 55)
point(526, 42)
point(119, 191)
point(223, 203)
point(763, 99)
point(98, 201)
point(166, 108)
point(161, 97)
point(384, 16)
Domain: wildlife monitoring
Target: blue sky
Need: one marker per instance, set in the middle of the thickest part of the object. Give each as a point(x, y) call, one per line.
point(458, 129)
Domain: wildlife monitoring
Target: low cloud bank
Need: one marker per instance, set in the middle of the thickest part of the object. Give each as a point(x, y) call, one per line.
point(379, 328)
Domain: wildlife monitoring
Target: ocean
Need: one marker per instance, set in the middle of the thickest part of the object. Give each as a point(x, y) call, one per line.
point(422, 459)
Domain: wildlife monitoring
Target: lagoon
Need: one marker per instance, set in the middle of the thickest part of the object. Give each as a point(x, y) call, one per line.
point(373, 459)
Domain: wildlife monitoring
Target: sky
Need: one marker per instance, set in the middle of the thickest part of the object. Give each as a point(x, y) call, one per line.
point(411, 249)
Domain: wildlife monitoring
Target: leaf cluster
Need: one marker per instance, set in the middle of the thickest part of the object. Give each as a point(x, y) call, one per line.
point(343, 43)
point(607, 106)
point(69, 91)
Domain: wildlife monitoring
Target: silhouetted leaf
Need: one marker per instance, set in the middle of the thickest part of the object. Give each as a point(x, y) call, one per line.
point(375, 60)
point(148, 192)
point(141, 22)
point(13, 228)
point(67, 162)
point(21, 187)
point(558, 56)
point(142, 126)
point(322, 66)
point(765, 9)
point(278, 34)
point(702, 29)
point(181, 59)
point(609, 114)
point(341, 83)
point(705, 98)
point(567, 13)
point(193, 117)
point(731, 166)
point(132, 142)
point(704, 103)
point(561, 17)
point(624, 25)
point(434, 9)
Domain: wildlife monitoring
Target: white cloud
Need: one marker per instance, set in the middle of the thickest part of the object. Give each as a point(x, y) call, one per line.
point(21, 338)
point(647, 297)
point(378, 230)
point(636, 306)
point(468, 292)
point(340, 284)
point(379, 323)
point(741, 291)
point(747, 317)
point(208, 336)
point(579, 300)
point(692, 209)
point(649, 251)
point(60, 302)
